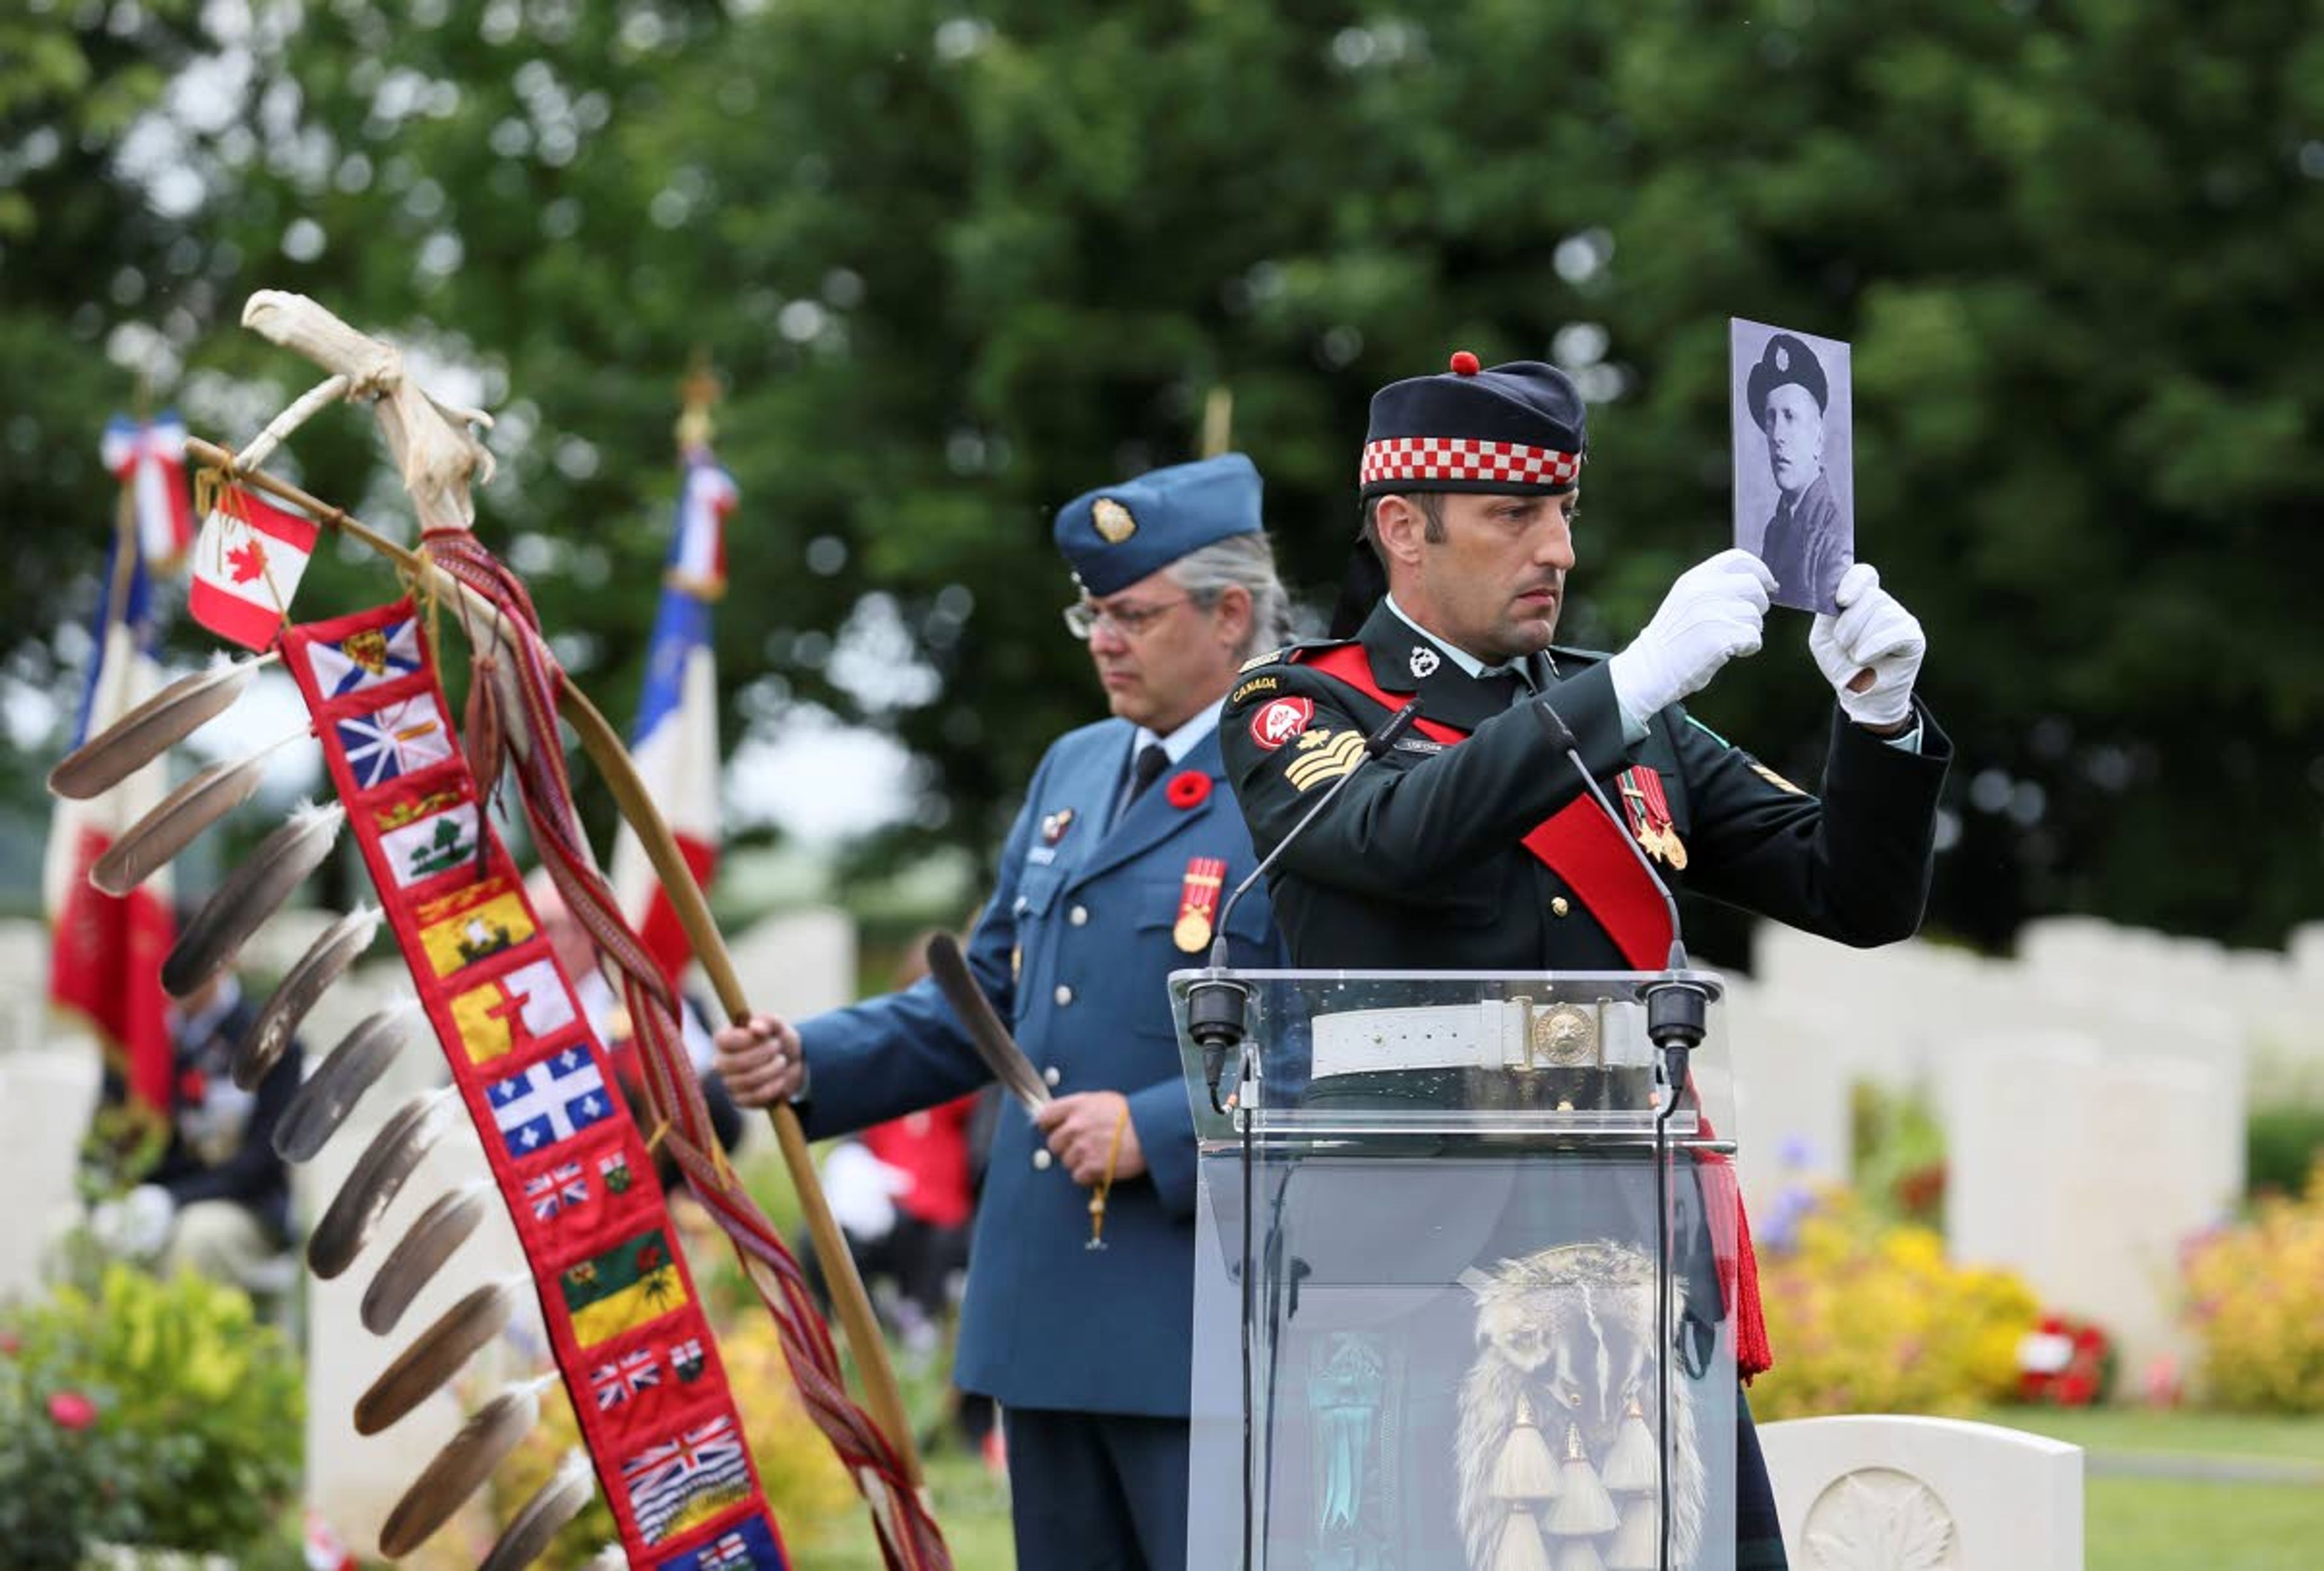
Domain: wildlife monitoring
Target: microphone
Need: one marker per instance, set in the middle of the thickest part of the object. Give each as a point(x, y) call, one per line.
point(1676, 1009)
point(1216, 1006)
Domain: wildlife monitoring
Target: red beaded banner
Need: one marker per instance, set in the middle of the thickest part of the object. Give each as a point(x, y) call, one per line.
point(636, 1352)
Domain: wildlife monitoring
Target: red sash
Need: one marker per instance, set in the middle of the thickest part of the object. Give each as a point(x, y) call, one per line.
point(1579, 842)
point(1584, 847)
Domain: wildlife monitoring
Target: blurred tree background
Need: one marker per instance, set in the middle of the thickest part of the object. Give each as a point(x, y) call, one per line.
point(958, 262)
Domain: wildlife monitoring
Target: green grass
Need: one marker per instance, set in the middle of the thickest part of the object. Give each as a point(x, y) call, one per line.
point(2156, 1524)
point(2170, 1524)
point(2146, 1430)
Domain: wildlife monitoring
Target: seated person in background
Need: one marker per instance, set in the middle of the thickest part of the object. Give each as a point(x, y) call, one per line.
point(219, 1202)
point(609, 1021)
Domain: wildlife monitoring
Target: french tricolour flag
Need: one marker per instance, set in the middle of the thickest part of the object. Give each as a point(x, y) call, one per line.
point(148, 458)
point(246, 567)
point(104, 951)
point(676, 739)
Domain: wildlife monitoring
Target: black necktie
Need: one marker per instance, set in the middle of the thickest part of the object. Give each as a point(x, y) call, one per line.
point(1144, 771)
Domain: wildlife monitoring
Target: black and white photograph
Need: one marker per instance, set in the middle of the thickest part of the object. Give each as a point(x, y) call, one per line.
point(1794, 466)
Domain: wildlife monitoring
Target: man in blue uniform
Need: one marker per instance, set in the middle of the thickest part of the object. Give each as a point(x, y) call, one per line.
point(1113, 877)
point(1474, 849)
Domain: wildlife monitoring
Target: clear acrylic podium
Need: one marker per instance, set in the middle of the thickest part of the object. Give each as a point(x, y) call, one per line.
point(1431, 1228)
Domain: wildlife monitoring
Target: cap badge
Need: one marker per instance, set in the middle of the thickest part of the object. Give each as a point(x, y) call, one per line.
point(1425, 661)
point(1113, 521)
point(1782, 358)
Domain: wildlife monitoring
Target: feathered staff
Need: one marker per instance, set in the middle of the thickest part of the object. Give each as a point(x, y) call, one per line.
point(518, 694)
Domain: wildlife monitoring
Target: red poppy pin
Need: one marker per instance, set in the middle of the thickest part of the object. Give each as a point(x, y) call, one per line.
point(1189, 788)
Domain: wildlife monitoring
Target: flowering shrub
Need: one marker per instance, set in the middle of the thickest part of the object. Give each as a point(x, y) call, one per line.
point(2255, 1294)
point(146, 1411)
point(1865, 1317)
point(2065, 1363)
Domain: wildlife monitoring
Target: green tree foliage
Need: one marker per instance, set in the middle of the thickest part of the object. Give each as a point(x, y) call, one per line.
point(960, 264)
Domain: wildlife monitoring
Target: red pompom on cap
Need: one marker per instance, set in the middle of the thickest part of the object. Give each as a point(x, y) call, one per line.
point(1464, 363)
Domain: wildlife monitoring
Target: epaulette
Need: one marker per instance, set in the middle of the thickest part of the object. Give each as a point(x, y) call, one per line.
point(1256, 681)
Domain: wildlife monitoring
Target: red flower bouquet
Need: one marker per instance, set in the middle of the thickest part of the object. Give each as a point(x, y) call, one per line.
point(2065, 1363)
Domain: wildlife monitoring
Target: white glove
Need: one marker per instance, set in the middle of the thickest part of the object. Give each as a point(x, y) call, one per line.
point(862, 1190)
point(1872, 636)
point(1712, 614)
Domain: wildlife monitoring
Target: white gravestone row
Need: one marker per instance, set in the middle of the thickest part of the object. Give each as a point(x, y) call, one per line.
point(2092, 1090)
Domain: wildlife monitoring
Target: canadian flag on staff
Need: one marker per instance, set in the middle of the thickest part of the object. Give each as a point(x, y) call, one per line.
point(104, 951)
point(148, 457)
point(676, 739)
point(246, 567)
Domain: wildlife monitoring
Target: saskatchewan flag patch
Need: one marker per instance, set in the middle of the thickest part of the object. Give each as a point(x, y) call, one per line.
point(621, 1289)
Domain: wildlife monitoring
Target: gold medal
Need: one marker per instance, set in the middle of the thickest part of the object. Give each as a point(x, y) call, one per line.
point(1198, 900)
point(1673, 848)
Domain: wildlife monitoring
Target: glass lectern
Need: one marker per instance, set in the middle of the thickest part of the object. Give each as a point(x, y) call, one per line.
point(1462, 1259)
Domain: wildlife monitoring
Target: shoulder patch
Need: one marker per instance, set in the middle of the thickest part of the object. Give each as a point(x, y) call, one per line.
point(1280, 721)
point(1253, 687)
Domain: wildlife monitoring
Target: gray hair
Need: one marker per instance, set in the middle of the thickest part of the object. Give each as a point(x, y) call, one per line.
point(1246, 562)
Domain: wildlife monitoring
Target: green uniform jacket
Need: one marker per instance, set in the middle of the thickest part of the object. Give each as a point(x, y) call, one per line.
point(1418, 864)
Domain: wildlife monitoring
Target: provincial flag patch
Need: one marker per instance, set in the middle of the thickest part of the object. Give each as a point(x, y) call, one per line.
point(749, 1547)
point(686, 1481)
point(621, 1289)
point(614, 1382)
point(562, 1187)
point(426, 847)
point(394, 740)
point(462, 927)
point(367, 658)
point(512, 1012)
point(538, 1107)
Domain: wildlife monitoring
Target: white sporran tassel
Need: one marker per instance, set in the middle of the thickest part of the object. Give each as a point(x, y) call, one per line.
point(1634, 1546)
point(1520, 1548)
point(1630, 1461)
point(1583, 1507)
point(1578, 1555)
point(1526, 1468)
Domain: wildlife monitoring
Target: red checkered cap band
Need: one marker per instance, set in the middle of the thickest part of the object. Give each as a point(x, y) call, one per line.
point(1464, 458)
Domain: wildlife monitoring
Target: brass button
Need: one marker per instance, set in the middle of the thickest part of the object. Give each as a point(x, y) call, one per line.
point(1558, 906)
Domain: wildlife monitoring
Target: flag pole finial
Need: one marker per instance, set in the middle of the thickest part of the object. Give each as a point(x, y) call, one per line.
point(699, 390)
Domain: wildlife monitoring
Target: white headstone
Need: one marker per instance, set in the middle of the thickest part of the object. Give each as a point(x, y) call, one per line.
point(1880, 1493)
point(2083, 1163)
point(46, 1097)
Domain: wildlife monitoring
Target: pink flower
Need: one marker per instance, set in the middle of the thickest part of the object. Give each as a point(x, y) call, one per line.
point(71, 1410)
point(11, 1344)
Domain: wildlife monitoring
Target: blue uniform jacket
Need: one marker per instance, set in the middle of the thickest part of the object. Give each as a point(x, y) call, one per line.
point(1073, 949)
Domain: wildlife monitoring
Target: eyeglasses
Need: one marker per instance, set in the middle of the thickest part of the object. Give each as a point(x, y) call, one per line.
point(1082, 618)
